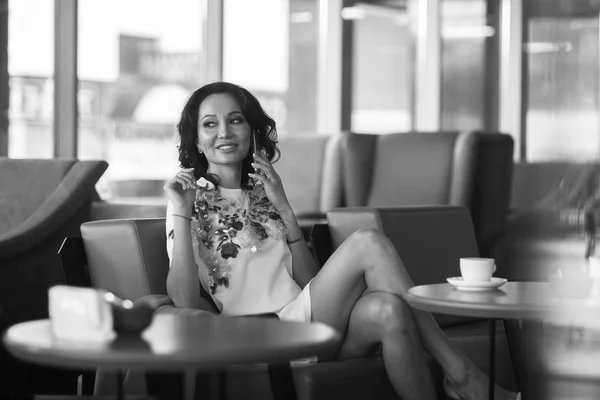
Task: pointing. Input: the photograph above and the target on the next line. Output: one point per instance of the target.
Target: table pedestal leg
(532, 376)
(222, 385)
(515, 345)
(492, 374)
(282, 382)
(120, 377)
(189, 384)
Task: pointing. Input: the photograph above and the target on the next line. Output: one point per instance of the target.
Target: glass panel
(138, 62)
(464, 37)
(561, 81)
(31, 70)
(270, 48)
(381, 68)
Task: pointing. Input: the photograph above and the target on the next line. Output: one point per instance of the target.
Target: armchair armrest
(69, 196)
(316, 215)
(127, 256)
(75, 269)
(164, 305)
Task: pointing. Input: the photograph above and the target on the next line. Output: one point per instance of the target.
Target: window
(270, 48)
(30, 69)
(138, 62)
(561, 80)
(381, 68)
(464, 35)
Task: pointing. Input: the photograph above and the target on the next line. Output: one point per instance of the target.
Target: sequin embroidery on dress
(226, 226)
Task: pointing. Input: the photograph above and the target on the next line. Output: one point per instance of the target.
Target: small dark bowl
(130, 318)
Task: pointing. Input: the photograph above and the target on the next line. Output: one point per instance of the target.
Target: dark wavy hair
(262, 126)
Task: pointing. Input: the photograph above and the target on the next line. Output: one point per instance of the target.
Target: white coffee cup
(476, 269)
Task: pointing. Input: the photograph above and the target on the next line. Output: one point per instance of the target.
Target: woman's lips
(227, 147)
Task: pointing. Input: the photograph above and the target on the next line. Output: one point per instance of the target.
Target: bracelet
(295, 240)
(181, 216)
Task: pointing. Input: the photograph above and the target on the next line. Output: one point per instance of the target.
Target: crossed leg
(368, 261)
(381, 318)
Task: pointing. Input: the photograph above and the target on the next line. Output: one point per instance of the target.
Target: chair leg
(282, 382)
(86, 382)
(74, 262)
(222, 377)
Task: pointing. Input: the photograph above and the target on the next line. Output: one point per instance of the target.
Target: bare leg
(383, 318)
(368, 260)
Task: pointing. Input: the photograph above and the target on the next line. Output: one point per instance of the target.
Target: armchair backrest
(310, 171)
(28, 183)
(127, 256)
(468, 169)
(408, 168)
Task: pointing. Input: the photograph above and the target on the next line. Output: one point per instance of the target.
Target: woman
(230, 224)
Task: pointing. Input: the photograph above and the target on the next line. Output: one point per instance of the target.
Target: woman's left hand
(271, 182)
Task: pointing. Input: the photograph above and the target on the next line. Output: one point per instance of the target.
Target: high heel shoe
(451, 393)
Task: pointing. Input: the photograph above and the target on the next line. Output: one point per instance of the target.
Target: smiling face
(224, 135)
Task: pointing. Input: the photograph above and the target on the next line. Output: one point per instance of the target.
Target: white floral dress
(240, 248)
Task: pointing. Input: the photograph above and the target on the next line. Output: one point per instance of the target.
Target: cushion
(412, 169)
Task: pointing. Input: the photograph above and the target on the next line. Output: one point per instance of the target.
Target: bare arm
(304, 264)
(183, 285)
(182, 280)
(184, 270)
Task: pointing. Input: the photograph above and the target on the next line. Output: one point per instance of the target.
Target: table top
(513, 300)
(175, 342)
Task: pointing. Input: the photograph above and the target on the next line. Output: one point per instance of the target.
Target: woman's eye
(236, 121)
(208, 124)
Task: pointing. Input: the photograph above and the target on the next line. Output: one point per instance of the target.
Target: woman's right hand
(181, 190)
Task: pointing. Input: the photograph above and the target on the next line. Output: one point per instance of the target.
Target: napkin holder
(80, 314)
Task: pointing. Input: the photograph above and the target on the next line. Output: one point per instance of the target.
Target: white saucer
(459, 283)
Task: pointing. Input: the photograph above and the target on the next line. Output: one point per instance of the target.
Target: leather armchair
(128, 257)
(468, 169)
(42, 201)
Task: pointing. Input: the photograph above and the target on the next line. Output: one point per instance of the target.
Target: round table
(513, 300)
(175, 342)
(526, 301)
